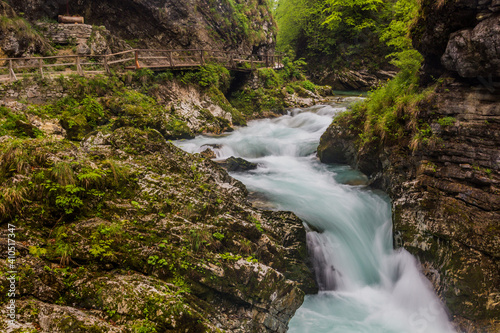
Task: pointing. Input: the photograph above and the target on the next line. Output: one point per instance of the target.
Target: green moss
(446, 121)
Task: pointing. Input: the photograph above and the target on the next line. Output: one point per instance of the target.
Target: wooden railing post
(12, 75)
(79, 66)
(170, 59)
(251, 62)
(106, 66)
(267, 59)
(202, 60)
(40, 66)
(137, 66)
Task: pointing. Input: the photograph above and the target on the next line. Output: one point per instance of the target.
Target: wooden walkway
(12, 69)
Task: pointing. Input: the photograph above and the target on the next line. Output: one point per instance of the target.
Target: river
(365, 285)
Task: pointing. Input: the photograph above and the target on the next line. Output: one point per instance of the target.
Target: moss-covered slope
(125, 232)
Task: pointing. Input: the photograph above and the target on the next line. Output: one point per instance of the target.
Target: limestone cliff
(446, 191)
(237, 25)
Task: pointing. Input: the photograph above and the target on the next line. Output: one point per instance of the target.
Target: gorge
(117, 229)
(364, 285)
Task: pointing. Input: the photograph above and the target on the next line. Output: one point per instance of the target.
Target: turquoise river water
(365, 285)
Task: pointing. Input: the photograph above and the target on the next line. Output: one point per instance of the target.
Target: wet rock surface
(161, 239)
(237, 164)
(446, 192)
(360, 80)
(446, 198)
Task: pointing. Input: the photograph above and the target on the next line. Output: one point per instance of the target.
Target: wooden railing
(12, 69)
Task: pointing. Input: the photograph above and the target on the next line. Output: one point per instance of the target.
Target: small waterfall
(365, 285)
(321, 250)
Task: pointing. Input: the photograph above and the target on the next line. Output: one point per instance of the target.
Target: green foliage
(37, 251)
(396, 33)
(270, 78)
(252, 259)
(257, 223)
(391, 110)
(273, 87)
(447, 121)
(16, 124)
(345, 33)
(157, 262)
(332, 34)
(214, 75)
(309, 85)
(218, 235)
(103, 238)
(360, 14)
(230, 256)
(209, 75)
(144, 326)
(292, 70)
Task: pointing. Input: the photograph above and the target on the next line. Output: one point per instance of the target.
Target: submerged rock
(237, 164)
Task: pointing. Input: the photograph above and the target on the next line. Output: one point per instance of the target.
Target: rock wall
(88, 39)
(201, 111)
(17, 37)
(446, 198)
(446, 192)
(359, 80)
(66, 33)
(460, 37)
(240, 25)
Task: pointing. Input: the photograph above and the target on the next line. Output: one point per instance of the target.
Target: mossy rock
(133, 140)
(76, 126)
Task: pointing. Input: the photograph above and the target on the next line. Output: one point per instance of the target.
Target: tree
(360, 14)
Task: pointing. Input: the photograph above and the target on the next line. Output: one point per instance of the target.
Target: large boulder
(458, 36)
(475, 51)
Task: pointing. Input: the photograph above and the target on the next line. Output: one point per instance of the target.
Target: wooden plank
(155, 58)
(120, 53)
(91, 64)
(229, 60)
(170, 59)
(79, 67)
(119, 61)
(24, 67)
(60, 65)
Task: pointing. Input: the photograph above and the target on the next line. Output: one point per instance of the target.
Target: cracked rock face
(459, 36)
(446, 198)
(171, 23)
(475, 52)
